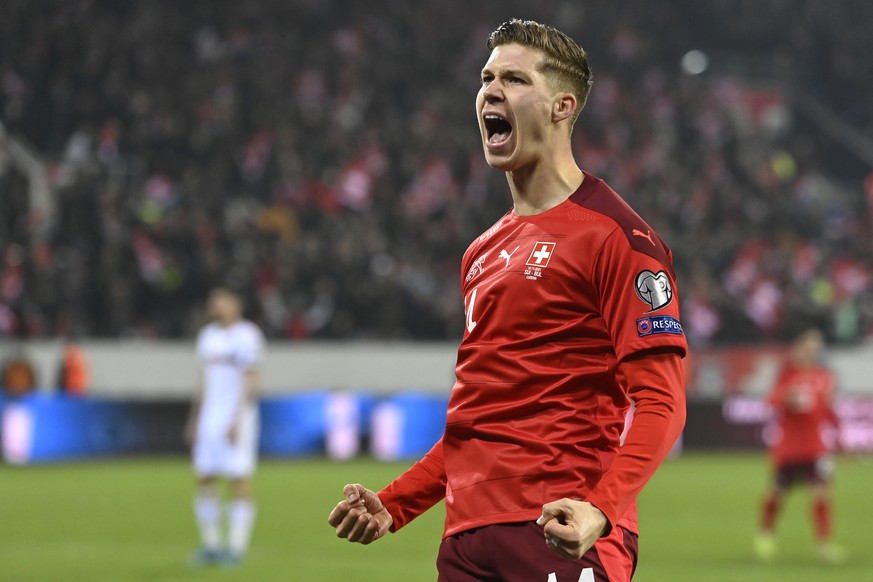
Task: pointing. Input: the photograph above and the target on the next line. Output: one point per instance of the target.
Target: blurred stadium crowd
(323, 157)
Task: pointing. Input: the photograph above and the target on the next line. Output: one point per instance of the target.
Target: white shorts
(215, 456)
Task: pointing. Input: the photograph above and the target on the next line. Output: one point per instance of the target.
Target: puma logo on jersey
(507, 256)
(646, 235)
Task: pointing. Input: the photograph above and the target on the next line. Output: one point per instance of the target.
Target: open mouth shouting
(497, 130)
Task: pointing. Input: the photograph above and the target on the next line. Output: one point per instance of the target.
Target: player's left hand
(571, 527)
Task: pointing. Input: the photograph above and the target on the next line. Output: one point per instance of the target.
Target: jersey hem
(514, 517)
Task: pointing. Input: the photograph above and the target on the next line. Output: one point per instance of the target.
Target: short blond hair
(565, 63)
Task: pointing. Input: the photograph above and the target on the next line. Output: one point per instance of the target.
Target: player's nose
(492, 92)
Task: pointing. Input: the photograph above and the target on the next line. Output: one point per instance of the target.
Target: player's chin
(500, 161)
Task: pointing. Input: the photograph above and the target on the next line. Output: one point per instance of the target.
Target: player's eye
(487, 79)
(517, 80)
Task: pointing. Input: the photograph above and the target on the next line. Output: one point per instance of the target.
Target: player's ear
(563, 107)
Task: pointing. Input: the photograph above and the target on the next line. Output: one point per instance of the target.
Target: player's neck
(542, 186)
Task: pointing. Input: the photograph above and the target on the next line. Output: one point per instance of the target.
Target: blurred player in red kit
(801, 402)
(571, 313)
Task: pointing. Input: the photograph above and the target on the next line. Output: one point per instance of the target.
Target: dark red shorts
(812, 472)
(517, 552)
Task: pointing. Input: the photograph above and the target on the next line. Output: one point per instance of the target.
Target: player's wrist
(606, 527)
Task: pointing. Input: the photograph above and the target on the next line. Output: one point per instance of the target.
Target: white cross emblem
(541, 253)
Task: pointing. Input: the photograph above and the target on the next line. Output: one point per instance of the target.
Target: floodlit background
(323, 158)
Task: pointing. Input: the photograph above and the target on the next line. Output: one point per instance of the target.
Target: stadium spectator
(17, 376)
(264, 145)
(74, 373)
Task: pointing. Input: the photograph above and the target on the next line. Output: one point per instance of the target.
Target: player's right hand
(360, 517)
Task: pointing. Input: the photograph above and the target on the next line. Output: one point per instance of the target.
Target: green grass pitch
(130, 520)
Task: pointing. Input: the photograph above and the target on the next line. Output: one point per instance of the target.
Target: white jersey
(225, 354)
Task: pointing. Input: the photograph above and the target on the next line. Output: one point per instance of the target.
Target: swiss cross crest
(541, 254)
(538, 260)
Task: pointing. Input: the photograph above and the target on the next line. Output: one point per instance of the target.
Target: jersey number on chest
(469, 305)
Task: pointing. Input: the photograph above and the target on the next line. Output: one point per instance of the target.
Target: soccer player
(223, 427)
(801, 402)
(571, 313)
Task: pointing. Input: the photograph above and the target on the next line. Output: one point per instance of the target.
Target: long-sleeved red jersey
(570, 314)
(801, 400)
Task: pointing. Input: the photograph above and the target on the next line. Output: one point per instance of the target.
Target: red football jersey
(801, 400)
(556, 304)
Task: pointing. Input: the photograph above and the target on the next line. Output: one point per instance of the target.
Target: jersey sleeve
(657, 386)
(250, 350)
(776, 398)
(637, 295)
(828, 399)
(417, 490)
